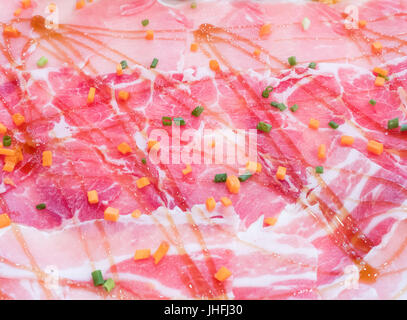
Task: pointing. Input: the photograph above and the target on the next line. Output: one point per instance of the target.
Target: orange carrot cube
(362, 23)
(47, 158)
(375, 147)
(377, 47)
(322, 151)
(136, 214)
(18, 119)
(222, 274)
(123, 95)
(9, 166)
(210, 204)
(233, 184)
(25, 3)
(142, 254)
(187, 170)
(149, 34)
(347, 140)
(270, 221)
(313, 124)
(161, 252)
(4, 220)
(93, 197)
(381, 72)
(142, 182)
(281, 172)
(265, 30)
(111, 214)
(91, 94)
(380, 81)
(194, 47)
(226, 201)
(3, 128)
(124, 148)
(80, 4)
(119, 69)
(214, 65)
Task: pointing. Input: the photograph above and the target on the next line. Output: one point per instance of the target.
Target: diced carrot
(119, 69)
(213, 144)
(270, 221)
(9, 181)
(210, 204)
(265, 30)
(9, 166)
(80, 4)
(214, 65)
(375, 147)
(12, 159)
(226, 201)
(377, 47)
(91, 94)
(17, 12)
(142, 182)
(142, 254)
(149, 34)
(93, 197)
(136, 214)
(322, 151)
(281, 172)
(47, 158)
(222, 274)
(258, 170)
(362, 23)
(256, 52)
(52, 7)
(379, 82)
(19, 154)
(161, 251)
(4, 220)
(187, 170)
(123, 95)
(18, 119)
(10, 31)
(124, 148)
(233, 184)
(26, 3)
(194, 47)
(251, 166)
(111, 214)
(380, 72)
(153, 144)
(347, 140)
(313, 124)
(3, 128)
(7, 152)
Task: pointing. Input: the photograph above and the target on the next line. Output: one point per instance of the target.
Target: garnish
(322, 151)
(292, 61)
(150, 35)
(313, 124)
(222, 274)
(220, 177)
(312, 65)
(281, 172)
(179, 121)
(266, 92)
(142, 254)
(7, 141)
(244, 177)
(233, 184)
(333, 125)
(142, 182)
(372, 102)
(97, 278)
(145, 22)
(109, 284)
(111, 214)
(124, 64)
(91, 94)
(167, 121)
(93, 197)
(41, 206)
(393, 123)
(42, 62)
(210, 204)
(197, 111)
(161, 252)
(294, 108)
(319, 169)
(306, 23)
(154, 63)
(47, 158)
(263, 126)
(347, 140)
(375, 147)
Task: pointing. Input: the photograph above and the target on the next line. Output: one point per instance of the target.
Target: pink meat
(352, 216)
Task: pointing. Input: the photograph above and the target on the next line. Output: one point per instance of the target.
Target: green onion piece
(97, 278)
(7, 141)
(244, 177)
(179, 121)
(319, 169)
(266, 92)
(281, 106)
(372, 102)
(42, 62)
(312, 65)
(294, 108)
(333, 125)
(306, 23)
(193, 5)
(144, 161)
(393, 123)
(274, 104)
(145, 22)
(109, 284)
(220, 177)
(167, 121)
(124, 64)
(403, 127)
(197, 111)
(385, 77)
(41, 206)
(292, 60)
(154, 63)
(265, 127)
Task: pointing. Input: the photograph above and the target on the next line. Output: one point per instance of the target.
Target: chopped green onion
(312, 65)
(282, 106)
(274, 104)
(244, 177)
(220, 177)
(144, 161)
(154, 63)
(7, 141)
(97, 278)
(403, 127)
(41, 206)
(372, 102)
(306, 23)
(167, 121)
(145, 22)
(393, 123)
(292, 60)
(266, 92)
(124, 64)
(179, 121)
(197, 111)
(193, 5)
(319, 169)
(265, 127)
(42, 62)
(333, 125)
(294, 108)
(109, 284)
